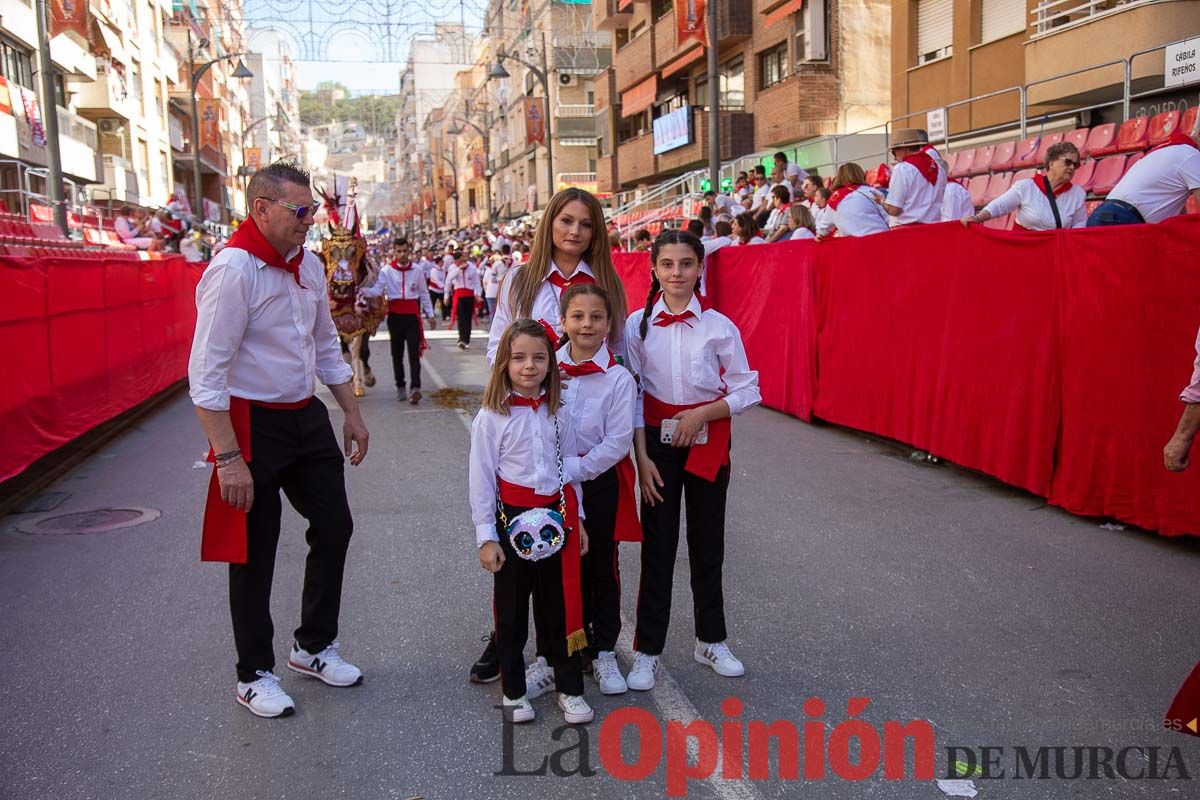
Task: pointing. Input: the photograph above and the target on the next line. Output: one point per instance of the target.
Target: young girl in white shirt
(517, 440)
(693, 375)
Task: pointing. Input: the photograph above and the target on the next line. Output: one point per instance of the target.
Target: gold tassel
(576, 642)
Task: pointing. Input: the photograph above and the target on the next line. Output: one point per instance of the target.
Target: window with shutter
(1001, 18)
(935, 29)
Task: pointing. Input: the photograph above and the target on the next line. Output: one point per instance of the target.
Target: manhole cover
(95, 520)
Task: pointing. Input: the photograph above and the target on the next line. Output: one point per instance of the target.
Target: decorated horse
(347, 271)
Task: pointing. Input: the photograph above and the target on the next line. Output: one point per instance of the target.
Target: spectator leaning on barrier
(1156, 187)
(917, 182)
(723, 238)
(956, 202)
(854, 208)
(745, 231)
(1046, 201)
(820, 209)
(1175, 454)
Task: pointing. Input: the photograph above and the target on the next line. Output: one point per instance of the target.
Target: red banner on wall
(535, 121)
(478, 165)
(210, 122)
(69, 15)
(689, 21)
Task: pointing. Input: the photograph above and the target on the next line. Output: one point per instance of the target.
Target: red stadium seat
(978, 189)
(1048, 141)
(1162, 126)
(1102, 141)
(1108, 172)
(1133, 159)
(1023, 174)
(982, 161)
(1091, 205)
(962, 166)
(1084, 175)
(1190, 118)
(1026, 153)
(1002, 156)
(1134, 135)
(951, 158)
(1078, 137)
(1192, 207)
(997, 185)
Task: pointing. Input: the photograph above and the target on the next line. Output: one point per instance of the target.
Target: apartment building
(788, 71)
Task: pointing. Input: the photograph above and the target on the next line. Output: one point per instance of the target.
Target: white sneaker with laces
(575, 709)
(608, 673)
(641, 677)
(519, 710)
(265, 697)
(717, 656)
(326, 665)
(539, 679)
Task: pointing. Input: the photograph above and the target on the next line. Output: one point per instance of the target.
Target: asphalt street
(851, 571)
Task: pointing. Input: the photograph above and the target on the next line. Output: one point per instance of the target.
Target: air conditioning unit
(565, 79)
(108, 126)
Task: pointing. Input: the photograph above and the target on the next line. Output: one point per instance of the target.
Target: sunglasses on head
(301, 212)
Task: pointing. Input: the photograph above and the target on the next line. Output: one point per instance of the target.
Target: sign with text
(935, 124)
(673, 130)
(1181, 65)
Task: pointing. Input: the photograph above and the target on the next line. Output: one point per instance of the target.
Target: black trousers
(405, 332)
(437, 298)
(705, 505)
(464, 313)
(513, 586)
(295, 451)
(364, 353)
(600, 571)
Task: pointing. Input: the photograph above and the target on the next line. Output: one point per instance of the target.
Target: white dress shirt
(493, 276)
(957, 203)
(465, 278)
(545, 306)
(518, 447)
(1033, 209)
(802, 233)
(436, 278)
(858, 214)
(918, 199)
(823, 219)
(681, 363)
(761, 197)
(601, 409)
(259, 335)
(1159, 184)
(401, 285)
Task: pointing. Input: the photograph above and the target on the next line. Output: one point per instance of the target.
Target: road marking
(673, 703)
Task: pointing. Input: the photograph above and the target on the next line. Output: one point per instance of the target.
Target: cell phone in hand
(670, 426)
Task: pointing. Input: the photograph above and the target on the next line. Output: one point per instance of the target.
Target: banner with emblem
(69, 15)
(689, 21)
(478, 166)
(535, 121)
(210, 122)
(253, 158)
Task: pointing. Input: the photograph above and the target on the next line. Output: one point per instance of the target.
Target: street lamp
(498, 72)
(239, 72)
(453, 177)
(456, 130)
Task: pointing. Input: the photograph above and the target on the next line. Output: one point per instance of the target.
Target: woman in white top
(745, 231)
(1030, 197)
(852, 207)
(801, 223)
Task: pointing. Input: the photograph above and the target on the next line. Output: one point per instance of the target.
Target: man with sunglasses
(264, 337)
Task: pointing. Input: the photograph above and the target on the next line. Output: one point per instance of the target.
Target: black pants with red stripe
(600, 571)
(704, 502)
(295, 451)
(405, 332)
(517, 582)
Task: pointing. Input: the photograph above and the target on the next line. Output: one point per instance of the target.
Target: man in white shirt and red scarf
(917, 183)
(264, 337)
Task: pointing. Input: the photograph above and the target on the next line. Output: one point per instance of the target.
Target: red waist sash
(629, 524)
(223, 536)
(704, 460)
(523, 497)
(460, 294)
(404, 307)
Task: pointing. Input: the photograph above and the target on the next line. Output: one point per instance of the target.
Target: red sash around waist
(461, 294)
(223, 536)
(523, 497)
(629, 524)
(704, 460)
(404, 307)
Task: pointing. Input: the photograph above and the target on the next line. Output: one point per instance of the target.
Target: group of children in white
(552, 482)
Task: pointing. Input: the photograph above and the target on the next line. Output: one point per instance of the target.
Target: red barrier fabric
(86, 339)
(1128, 313)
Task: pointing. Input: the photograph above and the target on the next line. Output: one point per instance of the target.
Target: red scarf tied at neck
(249, 238)
(1178, 137)
(841, 194)
(924, 163)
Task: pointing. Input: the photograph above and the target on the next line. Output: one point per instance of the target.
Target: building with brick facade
(790, 71)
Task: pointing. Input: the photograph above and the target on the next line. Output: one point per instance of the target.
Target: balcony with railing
(78, 144)
(120, 181)
(582, 54)
(1051, 16)
(608, 15)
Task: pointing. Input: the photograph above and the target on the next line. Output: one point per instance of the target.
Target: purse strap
(562, 495)
(1044, 182)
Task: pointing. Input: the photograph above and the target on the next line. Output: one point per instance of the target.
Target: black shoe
(487, 668)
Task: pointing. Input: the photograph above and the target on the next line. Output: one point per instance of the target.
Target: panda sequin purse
(539, 532)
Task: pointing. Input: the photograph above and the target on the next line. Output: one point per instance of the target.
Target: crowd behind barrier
(86, 339)
(1052, 360)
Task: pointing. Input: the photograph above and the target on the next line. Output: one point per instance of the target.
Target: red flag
(69, 15)
(689, 21)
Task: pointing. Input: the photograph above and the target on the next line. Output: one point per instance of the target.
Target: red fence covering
(1052, 361)
(85, 340)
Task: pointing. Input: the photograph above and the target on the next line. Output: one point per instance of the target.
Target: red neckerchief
(562, 283)
(841, 194)
(521, 401)
(705, 305)
(249, 238)
(924, 163)
(1178, 137)
(588, 367)
(399, 268)
(1045, 180)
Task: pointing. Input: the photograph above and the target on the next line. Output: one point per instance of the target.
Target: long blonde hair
(499, 385)
(527, 280)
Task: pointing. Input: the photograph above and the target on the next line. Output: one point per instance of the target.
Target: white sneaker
(518, 710)
(326, 665)
(265, 697)
(608, 673)
(539, 679)
(641, 677)
(575, 709)
(718, 657)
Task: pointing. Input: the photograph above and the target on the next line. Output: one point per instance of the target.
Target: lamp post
(456, 130)
(499, 72)
(239, 72)
(453, 177)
